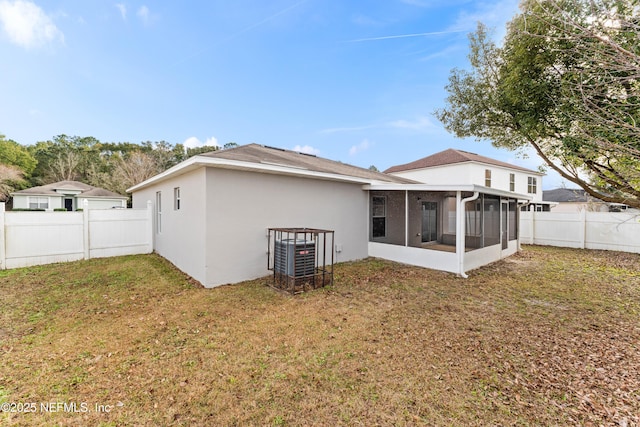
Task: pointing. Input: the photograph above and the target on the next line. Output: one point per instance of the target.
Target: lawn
(547, 337)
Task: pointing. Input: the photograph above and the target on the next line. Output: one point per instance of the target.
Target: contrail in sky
(401, 36)
(242, 31)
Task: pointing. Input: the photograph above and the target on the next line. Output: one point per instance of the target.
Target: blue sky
(354, 81)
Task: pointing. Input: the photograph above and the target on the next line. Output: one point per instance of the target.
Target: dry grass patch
(548, 337)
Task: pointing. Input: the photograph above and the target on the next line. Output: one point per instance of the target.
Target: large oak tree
(566, 81)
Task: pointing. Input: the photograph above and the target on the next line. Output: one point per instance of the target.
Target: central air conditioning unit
(295, 257)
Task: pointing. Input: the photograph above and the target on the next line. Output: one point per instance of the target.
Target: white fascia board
(464, 187)
(36, 194)
(197, 162)
(80, 196)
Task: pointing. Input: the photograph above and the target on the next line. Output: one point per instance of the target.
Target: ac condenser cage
(300, 258)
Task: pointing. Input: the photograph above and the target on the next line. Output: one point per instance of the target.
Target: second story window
(512, 182)
(532, 185)
(487, 177)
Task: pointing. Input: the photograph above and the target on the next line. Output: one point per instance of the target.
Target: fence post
(533, 226)
(3, 253)
(583, 229)
(150, 225)
(85, 229)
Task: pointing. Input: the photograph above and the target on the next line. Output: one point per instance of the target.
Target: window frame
(487, 178)
(176, 198)
(158, 212)
(39, 204)
(376, 215)
(532, 185)
(512, 182)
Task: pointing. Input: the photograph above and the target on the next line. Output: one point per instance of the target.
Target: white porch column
(459, 234)
(460, 229)
(406, 217)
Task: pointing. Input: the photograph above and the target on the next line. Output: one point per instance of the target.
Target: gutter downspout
(460, 229)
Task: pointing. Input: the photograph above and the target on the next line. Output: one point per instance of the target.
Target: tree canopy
(566, 82)
(114, 166)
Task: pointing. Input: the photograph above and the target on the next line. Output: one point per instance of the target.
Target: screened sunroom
(450, 228)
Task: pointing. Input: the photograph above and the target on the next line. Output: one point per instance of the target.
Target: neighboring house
(463, 167)
(69, 195)
(212, 213)
(577, 199)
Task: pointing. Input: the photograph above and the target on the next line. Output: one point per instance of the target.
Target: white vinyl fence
(34, 238)
(615, 231)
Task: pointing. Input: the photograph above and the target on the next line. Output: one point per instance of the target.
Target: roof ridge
(452, 156)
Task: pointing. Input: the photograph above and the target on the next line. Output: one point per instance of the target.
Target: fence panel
(35, 238)
(591, 230)
(613, 231)
(119, 232)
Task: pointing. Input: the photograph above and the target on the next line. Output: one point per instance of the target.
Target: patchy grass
(547, 337)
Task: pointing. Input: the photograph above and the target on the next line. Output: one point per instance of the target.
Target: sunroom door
(504, 224)
(429, 222)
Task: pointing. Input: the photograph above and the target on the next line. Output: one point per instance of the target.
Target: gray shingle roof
(568, 195)
(255, 153)
(452, 156)
(85, 190)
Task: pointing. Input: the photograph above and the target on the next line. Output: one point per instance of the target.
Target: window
(379, 216)
(158, 212)
(176, 199)
(38, 203)
(532, 185)
(512, 182)
(487, 177)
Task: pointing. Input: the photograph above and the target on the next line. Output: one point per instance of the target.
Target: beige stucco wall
(22, 201)
(241, 206)
(100, 203)
(182, 238)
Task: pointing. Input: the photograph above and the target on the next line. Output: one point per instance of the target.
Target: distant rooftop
(73, 186)
(452, 156)
(577, 195)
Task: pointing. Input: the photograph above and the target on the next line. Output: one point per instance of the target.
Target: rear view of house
(212, 213)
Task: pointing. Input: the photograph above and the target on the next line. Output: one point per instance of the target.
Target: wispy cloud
(419, 3)
(243, 30)
(446, 52)
(366, 21)
(27, 25)
(144, 14)
(418, 124)
(492, 14)
(402, 36)
(348, 129)
(307, 149)
(364, 145)
(123, 10)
